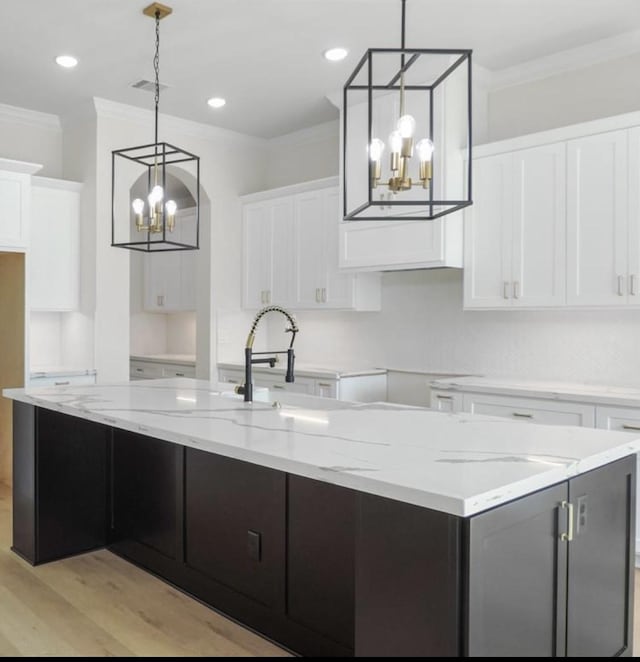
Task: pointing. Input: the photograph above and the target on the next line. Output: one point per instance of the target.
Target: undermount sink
(264, 395)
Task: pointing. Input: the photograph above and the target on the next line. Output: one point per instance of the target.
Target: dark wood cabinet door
(235, 525)
(147, 492)
(407, 580)
(601, 561)
(321, 558)
(516, 586)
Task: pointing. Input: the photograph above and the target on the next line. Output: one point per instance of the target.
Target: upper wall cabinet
(54, 256)
(557, 223)
(170, 277)
(15, 199)
(515, 230)
(290, 252)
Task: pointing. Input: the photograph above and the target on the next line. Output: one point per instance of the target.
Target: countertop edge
(307, 372)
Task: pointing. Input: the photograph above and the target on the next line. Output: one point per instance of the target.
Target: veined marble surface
(460, 464)
(307, 370)
(587, 393)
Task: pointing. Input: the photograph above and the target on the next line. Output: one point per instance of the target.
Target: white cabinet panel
(257, 254)
(170, 276)
(633, 282)
(310, 249)
(515, 232)
(14, 209)
(54, 259)
(597, 220)
(158, 370)
(530, 410)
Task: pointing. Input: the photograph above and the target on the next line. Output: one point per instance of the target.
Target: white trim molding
(23, 167)
(312, 134)
(170, 123)
(293, 189)
(29, 117)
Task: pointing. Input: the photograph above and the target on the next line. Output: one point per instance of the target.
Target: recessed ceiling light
(216, 102)
(336, 54)
(66, 61)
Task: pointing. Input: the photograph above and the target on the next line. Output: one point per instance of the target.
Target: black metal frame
(408, 57)
(163, 154)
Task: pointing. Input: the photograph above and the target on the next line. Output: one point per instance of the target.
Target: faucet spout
(247, 387)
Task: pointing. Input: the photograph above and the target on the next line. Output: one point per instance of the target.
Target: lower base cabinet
(328, 571)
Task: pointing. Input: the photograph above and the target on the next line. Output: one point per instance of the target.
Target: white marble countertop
(460, 464)
(181, 359)
(588, 393)
(308, 370)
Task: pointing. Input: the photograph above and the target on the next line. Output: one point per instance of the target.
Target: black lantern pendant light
(152, 225)
(406, 134)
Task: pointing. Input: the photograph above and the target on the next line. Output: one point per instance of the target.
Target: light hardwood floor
(99, 605)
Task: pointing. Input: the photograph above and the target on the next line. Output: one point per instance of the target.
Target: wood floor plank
(100, 605)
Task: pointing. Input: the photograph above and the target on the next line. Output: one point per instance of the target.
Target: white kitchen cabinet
(597, 220)
(170, 277)
(54, 255)
(530, 410)
(139, 369)
(515, 232)
(290, 252)
(447, 402)
(44, 380)
(15, 197)
(355, 388)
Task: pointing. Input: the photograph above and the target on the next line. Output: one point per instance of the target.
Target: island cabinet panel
(545, 581)
(60, 483)
(407, 580)
(321, 558)
(601, 562)
(147, 492)
(235, 525)
(517, 578)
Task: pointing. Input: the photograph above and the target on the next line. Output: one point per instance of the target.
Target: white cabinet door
(162, 281)
(185, 226)
(633, 282)
(280, 290)
(14, 209)
(54, 261)
(256, 254)
(340, 286)
(597, 220)
(310, 250)
(488, 235)
(539, 227)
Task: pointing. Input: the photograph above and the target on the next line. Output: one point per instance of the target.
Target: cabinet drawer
(61, 380)
(531, 410)
(622, 419)
(277, 383)
(231, 376)
(446, 401)
(178, 370)
(142, 370)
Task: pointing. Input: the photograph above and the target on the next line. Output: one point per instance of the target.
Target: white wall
(27, 135)
(422, 326)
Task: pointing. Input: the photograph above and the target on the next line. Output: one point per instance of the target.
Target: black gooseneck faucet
(247, 388)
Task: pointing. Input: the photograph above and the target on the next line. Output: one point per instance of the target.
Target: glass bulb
(425, 149)
(156, 193)
(395, 141)
(138, 206)
(171, 207)
(375, 149)
(407, 126)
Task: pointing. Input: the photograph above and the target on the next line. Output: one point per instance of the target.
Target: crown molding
(23, 167)
(312, 134)
(581, 57)
(170, 123)
(29, 117)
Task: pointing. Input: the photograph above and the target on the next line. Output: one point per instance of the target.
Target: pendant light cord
(156, 67)
(402, 46)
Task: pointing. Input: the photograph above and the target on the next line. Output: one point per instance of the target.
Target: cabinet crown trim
(293, 189)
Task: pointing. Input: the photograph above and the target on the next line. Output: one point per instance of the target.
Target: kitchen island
(338, 528)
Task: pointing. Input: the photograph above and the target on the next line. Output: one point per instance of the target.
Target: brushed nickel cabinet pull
(324, 295)
(620, 286)
(568, 536)
(324, 385)
(632, 285)
(232, 381)
(61, 383)
(179, 374)
(516, 289)
(268, 296)
(519, 415)
(631, 427)
(444, 397)
(280, 387)
(505, 290)
(160, 300)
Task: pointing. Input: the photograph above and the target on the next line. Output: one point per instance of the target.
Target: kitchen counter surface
(181, 359)
(459, 464)
(308, 370)
(612, 395)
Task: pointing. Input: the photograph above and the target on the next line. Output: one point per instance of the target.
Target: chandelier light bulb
(407, 126)
(171, 207)
(395, 142)
(375, 149)
(425, 149)
(138, 206)
(156, 194)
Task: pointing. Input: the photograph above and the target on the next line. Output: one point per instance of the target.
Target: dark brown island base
(324, 570)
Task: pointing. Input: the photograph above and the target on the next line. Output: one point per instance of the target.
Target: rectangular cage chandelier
(407, 134)
(154, 224)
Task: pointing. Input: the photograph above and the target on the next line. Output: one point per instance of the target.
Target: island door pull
(505, 290)
(568, 537)
(620, 286)
(517, 414)
(631, 427)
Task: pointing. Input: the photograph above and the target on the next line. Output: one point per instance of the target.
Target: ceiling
(265, 56)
